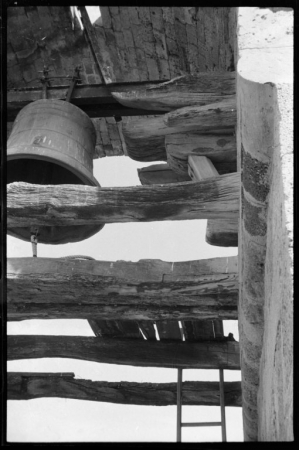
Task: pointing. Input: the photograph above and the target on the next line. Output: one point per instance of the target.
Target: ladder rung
(201, 424)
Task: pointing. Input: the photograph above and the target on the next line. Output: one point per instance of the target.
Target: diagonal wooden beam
(134, 352)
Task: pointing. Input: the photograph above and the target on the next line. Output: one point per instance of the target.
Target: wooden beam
(65, 205)
(48, 288)
(223, 233)
(94, 99)
(208, 118)
(221, 150)
(200, 89)
(27, 386)
(160, 174)
(142, 353)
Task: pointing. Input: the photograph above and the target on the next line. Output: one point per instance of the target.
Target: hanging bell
(52, 142)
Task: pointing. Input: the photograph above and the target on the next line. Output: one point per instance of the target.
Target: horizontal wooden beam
(187, 90)
(95, 100)
(65, 205)
(207, 118)
(27, 386)
(48, 288)
(134, 352)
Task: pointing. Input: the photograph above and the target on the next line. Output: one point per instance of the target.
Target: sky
(65, 420)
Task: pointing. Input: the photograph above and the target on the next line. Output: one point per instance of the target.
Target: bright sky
(64, 420)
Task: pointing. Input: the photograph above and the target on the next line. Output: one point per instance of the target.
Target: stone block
(144, 14)
(106, 17)
(128, 38)
(116, 22)
(125, 17)
(152, 66)
(105, 138)
(157, 18)
(163, 67)
(134, 16)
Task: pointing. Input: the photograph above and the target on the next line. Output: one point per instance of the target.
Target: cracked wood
(33, 205)
(27, 386)
(48, 288)
(134, 352)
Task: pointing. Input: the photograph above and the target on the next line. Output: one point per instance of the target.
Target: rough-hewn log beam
(168, 354)
(94, 99)
(27, 386)
(223, 233)
(65, 205)
(48, 288)
(208, 118)
(200, 89)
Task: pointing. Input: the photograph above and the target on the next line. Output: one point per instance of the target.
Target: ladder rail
(181, 424)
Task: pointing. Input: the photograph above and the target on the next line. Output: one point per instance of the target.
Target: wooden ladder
(181, 424)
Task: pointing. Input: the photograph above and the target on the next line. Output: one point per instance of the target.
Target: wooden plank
(148, 329)
(134, 352)
(200, 89)
(160, 174)
(125, 329)
(223, 233)
(27, 386)
(168, 329)
(203, 330)
(207, 118)
(102, 290)
(32, 205)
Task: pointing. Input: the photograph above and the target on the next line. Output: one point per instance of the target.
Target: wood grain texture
(142, 353)
(215, 116)
(200, 89)
(66, 205)
(27, 386)
(222, 233)
(160, 174)
(48, 288)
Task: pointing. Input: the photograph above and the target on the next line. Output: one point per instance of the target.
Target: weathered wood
(94, 99)
(134, 352)
(46, 288)
(168, 329)
(180, 166)
(125, 329)
(148, 329)
(145, 136)
(223, 233)
(65, 205)
(208, 118)
(160, 174)
(27, 386)
(216, 148)
(200, 89)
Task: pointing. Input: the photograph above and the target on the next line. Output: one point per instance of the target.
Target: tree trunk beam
(141, 353)
(222, 233)
(48, 288)
(65, 205)
(208, 118)
(201, 89)
(27, 386)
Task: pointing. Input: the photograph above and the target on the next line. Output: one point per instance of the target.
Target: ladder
(181, 424)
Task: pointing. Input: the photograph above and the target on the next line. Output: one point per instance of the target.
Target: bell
(52, 142)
